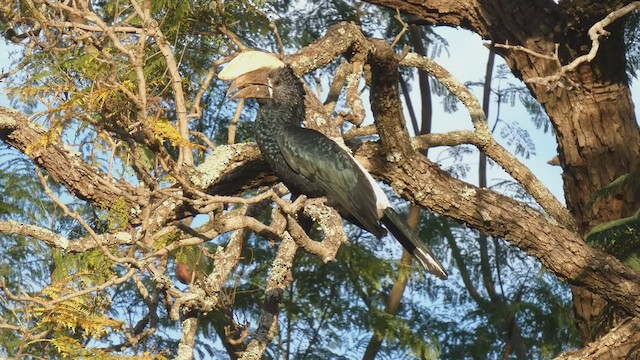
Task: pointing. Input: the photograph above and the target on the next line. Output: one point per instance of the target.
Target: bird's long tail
(412, 243)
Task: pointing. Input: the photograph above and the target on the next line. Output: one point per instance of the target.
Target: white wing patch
(382, 201)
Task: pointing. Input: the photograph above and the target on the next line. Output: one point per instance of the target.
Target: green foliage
(82, 314)
(519, 138)
(70, 348)
(537, 302)
(504, 92)
(91, 268)
(620, 238)
(537, 114)
(625, 183)
(118, 215)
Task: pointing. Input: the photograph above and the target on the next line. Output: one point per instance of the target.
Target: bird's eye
(275, 82)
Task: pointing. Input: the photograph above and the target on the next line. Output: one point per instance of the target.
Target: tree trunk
(598, 141)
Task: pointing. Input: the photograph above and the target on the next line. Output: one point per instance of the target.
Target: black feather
(310, 163)
(324, 163)
(412, 243)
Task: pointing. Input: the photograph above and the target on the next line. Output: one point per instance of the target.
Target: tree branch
(61, 242)
(66, 166)
(278, 281)
(622, 339)
(484, 140)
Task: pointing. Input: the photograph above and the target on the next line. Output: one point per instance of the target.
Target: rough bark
(597, 132)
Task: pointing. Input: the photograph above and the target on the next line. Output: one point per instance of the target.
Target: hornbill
(310, 163)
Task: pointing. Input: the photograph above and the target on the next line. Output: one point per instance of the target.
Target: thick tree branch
(442, 12)
(622, 339)
(422, 182)
(187, 345)
(66, 166)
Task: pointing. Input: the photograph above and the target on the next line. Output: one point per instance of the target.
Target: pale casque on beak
(249, 72)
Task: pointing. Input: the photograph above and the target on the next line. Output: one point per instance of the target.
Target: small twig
(83, 223)
(404, 29)
(186, 155)
(222, 27)
(274, 27)
(23, 298)
(196, 109)
(234, 123)
(595, 32)
(244, 333)
(204, 138)
(113, 281)
(521, 48)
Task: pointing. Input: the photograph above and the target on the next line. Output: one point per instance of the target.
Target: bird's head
(261, 75)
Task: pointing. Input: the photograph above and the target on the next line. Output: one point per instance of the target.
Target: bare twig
(595, 33)
(83, 223)
(274, 27)
(521, 48)
(204, 138)
(114, 281)
(234, 122)
(186, 155)
(196, 109)
(404, 29)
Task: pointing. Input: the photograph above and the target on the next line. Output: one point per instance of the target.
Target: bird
(310, 163)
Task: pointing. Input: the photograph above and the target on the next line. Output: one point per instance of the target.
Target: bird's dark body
(310, 163)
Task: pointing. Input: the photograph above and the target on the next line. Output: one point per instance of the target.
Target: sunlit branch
(62, 242)
(484, 140)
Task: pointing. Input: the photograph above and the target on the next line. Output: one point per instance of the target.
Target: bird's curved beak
(254, 84)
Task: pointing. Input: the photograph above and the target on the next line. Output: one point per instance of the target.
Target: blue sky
(466, 59)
